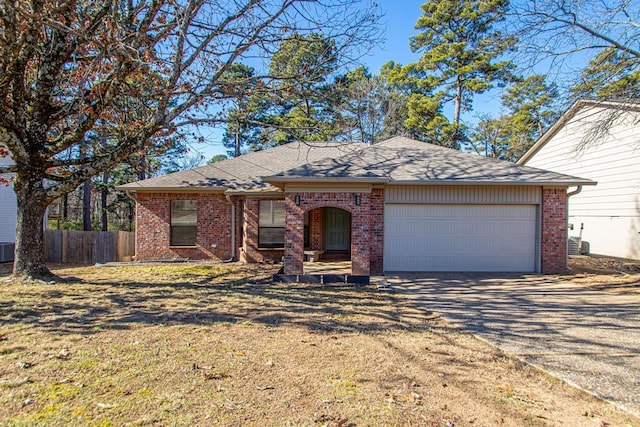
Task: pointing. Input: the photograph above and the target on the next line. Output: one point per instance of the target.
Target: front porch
(327, 241)
(327, 248)
(332, 234)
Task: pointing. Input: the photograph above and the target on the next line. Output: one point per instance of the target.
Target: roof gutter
(496, 183)
(131, 194)
(574, 192)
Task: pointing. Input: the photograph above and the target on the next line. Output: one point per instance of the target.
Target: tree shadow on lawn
(86, 306)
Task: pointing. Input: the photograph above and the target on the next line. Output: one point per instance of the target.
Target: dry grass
(178, 344)
(606, 274)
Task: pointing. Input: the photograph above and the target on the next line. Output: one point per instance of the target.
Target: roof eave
(562, 183)
(251, 193)
(568, 115)
(276, 180)
(171, 189)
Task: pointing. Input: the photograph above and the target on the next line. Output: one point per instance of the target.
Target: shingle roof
(403, 160)
(244, 172)
(394, 161)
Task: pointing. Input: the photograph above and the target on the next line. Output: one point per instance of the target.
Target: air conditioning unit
(7, 251)
(574, 246)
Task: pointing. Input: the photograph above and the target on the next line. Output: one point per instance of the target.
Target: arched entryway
(327, 239)
(311, 211)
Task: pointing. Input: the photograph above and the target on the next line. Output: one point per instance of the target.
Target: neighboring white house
(598, 140)
(8, 208)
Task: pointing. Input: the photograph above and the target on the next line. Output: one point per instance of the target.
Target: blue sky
(398, 23)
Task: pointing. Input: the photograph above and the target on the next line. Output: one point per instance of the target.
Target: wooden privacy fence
(88, 247)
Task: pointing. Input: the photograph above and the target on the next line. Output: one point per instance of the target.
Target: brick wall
(153, 231)
(367, 229)
(554, 231)
(360, 228)
(316, 225)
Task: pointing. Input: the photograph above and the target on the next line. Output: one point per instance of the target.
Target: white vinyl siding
(430, 237)
(462, 194)
(610, 211)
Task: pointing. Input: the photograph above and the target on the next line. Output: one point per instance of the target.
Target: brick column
(554, 231)
(376, 219)
(361, 238)
(293, 237)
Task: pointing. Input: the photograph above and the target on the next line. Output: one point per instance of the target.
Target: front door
(337, 230)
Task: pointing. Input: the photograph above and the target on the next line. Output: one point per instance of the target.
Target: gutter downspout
(131, 195)
(569, 194)
(233, 228)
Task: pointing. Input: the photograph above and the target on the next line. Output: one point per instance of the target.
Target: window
(271, 224)
(184, 217)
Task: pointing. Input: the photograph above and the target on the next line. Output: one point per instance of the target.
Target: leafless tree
(561, 34)
(557, 30)
(134, 72)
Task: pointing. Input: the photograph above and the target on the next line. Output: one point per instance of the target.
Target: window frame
(191, 224)
(272, 244)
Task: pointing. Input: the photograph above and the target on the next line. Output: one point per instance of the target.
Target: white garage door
(460, 238)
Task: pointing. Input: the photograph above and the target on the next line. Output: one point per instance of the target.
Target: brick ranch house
(397, 205)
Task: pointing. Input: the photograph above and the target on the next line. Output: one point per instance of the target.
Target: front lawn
(185, 344)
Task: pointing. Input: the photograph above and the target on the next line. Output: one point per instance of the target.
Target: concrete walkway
(588, 338)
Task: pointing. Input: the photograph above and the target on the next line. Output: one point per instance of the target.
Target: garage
(460, 237)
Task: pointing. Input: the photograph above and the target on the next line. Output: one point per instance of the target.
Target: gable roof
(569, 114)
(402, 160)
(243, 173)
(397, 160)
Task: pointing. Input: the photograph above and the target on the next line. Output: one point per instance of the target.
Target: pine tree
(460, 49)
(612, 74)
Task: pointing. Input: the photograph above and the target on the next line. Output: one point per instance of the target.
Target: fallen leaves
(216, 376)
(206, 366)
(332, 420)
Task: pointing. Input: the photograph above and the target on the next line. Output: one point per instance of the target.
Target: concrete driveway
(588, 338)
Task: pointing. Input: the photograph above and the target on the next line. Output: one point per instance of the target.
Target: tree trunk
(142, 167)
(30, 251)
(103, 201)
(86, 205)
(456, 114)
(65, 207)
(131, 216)
(237, 142)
